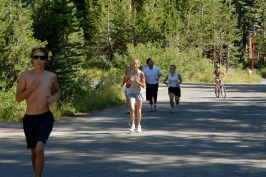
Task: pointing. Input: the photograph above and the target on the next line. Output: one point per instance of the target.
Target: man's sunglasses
(36, 57)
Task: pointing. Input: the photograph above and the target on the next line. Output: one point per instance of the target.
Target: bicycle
(220, 90)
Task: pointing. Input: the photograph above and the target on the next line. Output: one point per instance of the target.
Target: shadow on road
(205, 137)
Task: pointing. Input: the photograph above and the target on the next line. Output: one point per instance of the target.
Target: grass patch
(241, 76)
(233, 75)
(98, 99)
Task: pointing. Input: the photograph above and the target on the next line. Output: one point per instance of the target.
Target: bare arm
(223, 73)
(165, 79)
(142, 80)
(180, 79)
(126, 79)
(213, 74)
(23, 92)
(56, 91)
(123, 82)
(159, 75)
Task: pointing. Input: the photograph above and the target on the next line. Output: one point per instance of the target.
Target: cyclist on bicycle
(216, 74)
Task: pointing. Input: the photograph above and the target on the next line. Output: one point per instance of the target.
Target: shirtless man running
(39, 88)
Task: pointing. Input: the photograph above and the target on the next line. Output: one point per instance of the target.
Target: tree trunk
(242, 44)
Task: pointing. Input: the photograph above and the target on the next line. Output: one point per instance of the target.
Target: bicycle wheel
(217, 92)
(223, 93)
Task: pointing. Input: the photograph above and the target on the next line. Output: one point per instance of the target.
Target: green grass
(241, 76)
(232, 76)
(97, 99)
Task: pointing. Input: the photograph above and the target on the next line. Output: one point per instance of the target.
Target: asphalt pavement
(205, 137)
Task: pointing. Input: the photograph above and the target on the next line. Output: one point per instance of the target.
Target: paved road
(205, 137)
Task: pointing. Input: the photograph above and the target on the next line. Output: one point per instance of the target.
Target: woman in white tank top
(174, 80)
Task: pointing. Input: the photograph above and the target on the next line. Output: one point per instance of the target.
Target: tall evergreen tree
(159, 21)
(122, 25)
(16, 41)
(247, 11)
(260, 37)
(210, 26)
(110, 25)
(98, 28)
(56, 22)
(203, 23)
(150, 22)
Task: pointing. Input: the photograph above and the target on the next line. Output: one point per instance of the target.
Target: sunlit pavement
(204, 137)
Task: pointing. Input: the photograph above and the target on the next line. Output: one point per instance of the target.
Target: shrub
(10, 110)
(263, 72)
(104, 92)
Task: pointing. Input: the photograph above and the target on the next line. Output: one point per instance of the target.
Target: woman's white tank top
(173, 80)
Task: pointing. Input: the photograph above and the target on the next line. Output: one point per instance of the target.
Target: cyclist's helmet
(217, 65)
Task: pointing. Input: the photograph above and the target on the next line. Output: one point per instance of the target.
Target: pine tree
(260, 37)
(16, 41)
(98, 28)
(56, 22)
(159, 22)
(210, 26)
(110, 26)
(247, 11)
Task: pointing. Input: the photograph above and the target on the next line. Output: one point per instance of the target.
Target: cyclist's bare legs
(217, 82)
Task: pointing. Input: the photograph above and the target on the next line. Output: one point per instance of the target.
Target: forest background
(91, 42)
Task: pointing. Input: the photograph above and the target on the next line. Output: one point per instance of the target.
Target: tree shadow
(210, 137)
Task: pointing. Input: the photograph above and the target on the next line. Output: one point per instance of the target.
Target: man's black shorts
(175, 90)
(151, 91)
(37, 128)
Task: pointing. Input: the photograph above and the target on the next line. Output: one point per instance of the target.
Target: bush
(10, 110)
(106, 93)
(263, 72)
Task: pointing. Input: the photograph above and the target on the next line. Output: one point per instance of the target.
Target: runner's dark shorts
(175, 90)
(151, 91)
(37, 128)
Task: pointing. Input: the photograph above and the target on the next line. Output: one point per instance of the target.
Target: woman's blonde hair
(136, 60)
